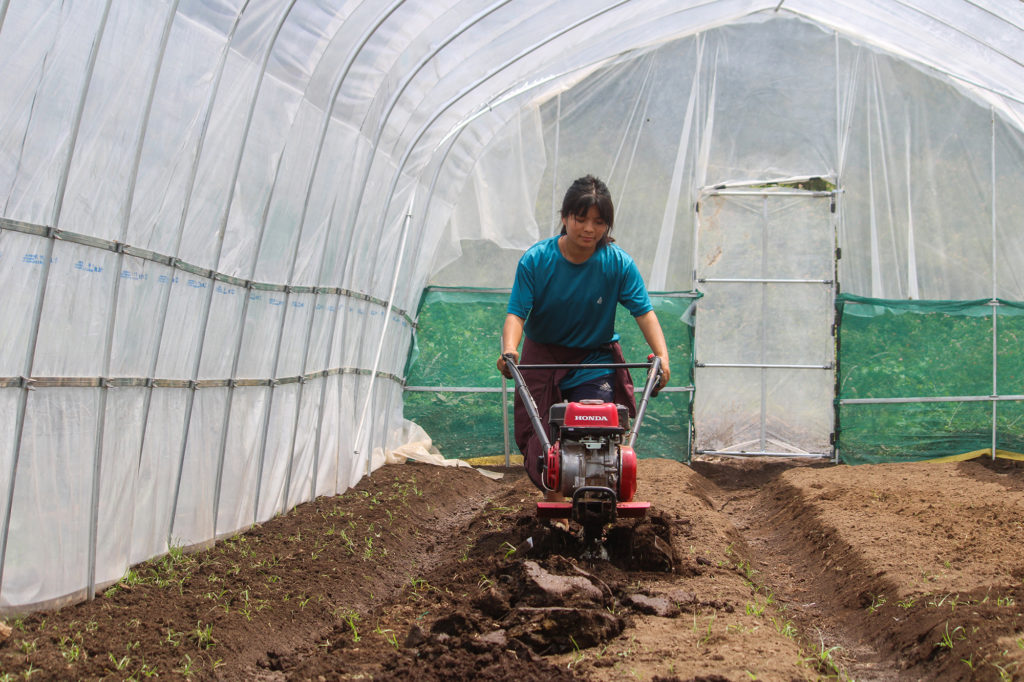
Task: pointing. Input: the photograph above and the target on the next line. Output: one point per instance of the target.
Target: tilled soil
(744, 569)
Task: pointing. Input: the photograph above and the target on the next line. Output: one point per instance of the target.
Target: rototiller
(587, 460)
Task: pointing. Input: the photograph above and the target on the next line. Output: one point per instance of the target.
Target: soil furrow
(817, 576)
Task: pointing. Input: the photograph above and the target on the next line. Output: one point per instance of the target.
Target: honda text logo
(591, 418)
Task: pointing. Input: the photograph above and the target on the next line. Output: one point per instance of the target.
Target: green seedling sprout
(953, 601)
(148, 670)
(69, 649)
(368, 551)
(823, 659)
(577, 655)
(203, 634)
(756, 608)
(120, 663)
(707, 633)
(946, 642)
(629, 650)
(185, 668)
(786, 628)
(389, 635)
(173, 638)
(351, 618)
(1004, 674)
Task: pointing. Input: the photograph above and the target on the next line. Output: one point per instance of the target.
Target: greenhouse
(249, 248)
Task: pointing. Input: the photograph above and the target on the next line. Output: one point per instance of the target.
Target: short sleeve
(520, 301)
(632, 292)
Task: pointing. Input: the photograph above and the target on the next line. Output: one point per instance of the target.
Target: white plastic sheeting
(920, 166)
(928, 202)
(206, 264)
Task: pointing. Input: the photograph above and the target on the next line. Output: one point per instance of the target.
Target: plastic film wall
(926, 174)
(195, 313)
(217, 215)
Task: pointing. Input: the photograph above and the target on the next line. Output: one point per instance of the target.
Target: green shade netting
(927, 349)
(457, 344)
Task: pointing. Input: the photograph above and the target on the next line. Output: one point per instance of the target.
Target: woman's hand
(511, 335)
(503, 366)
(651, 329)
(665, 372)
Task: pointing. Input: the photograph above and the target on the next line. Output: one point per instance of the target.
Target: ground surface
(747, 569)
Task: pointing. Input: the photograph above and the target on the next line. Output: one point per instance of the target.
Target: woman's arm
(655, 338)
(511, 335)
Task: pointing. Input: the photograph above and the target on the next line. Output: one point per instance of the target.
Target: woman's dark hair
(586, 192)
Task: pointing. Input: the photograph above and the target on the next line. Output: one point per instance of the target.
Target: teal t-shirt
(572, 304)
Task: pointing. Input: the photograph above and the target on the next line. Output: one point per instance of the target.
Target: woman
(564, 298)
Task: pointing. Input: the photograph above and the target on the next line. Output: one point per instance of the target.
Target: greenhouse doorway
(765, 261)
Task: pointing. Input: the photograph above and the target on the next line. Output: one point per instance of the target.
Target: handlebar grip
(657, 388)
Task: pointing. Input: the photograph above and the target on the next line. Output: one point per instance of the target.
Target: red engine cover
(553, 473)
(582, 415)
(627, 476)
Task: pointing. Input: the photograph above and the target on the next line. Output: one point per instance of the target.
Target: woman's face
(585, 232)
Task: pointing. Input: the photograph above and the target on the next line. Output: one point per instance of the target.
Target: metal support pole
(147, 394)
(995, 288)
(166, 296)
(995, 372)
(555, 206)
(37, 315)
(834, 338)
(504, 419)
(764, 324)
(101, 409)
(383, 331)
